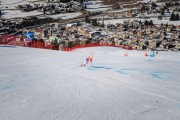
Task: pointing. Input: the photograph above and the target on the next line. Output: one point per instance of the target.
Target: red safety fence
(19, 41)
(8, 39)
(37, 44)
(95, 45)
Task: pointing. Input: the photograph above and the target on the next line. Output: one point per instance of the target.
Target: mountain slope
(50, 85)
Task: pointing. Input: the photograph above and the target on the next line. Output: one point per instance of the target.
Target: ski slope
(38, 84)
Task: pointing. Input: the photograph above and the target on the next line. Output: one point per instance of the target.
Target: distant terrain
(129, 3)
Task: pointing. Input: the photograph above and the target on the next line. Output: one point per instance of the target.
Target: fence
(95, 45)
(18, 41)
(7, 39)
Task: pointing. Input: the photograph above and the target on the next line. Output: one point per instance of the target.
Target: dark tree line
(146, 22)
(174, 17)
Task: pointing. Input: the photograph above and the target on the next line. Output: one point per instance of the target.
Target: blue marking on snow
(120, 71)
(92, 69)
(156, 75)
(161, 75)
(126, 70)
(101, 67)
(123, 71)
(149, 60)
(7, 87)
(98, 67)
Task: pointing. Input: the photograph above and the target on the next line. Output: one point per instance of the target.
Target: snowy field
(146, 1)
(8, 14)
(97, 6)
(37, 84)
(9, 9)
(155, 21)
(66, 15)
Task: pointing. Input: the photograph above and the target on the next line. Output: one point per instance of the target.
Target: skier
(83, 64)
(87, 60)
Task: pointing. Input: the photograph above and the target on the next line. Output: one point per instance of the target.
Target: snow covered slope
(37, 84)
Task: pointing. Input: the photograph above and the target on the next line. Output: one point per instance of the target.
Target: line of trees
(146, 22)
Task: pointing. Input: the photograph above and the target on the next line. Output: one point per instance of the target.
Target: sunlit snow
(38, 84)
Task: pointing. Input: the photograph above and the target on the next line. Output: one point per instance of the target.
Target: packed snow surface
(38, 84)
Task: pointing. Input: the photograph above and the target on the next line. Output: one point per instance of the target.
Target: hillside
(37, 84)
(129, 3)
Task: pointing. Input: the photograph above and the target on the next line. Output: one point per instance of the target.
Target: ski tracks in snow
(126, 114)
(74, 108)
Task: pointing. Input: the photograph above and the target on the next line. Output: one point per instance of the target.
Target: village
(152, 26)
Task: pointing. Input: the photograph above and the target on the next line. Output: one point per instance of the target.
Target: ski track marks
(51, 85)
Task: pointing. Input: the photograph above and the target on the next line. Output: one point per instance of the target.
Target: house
(69, 25)
(95, 33)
